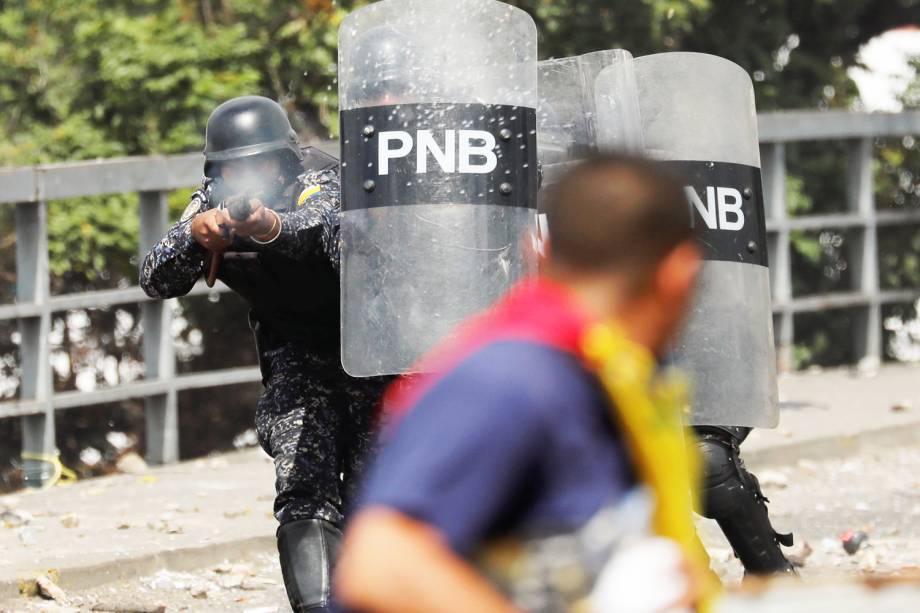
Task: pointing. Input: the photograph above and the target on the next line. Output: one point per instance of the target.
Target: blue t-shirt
(516, 439)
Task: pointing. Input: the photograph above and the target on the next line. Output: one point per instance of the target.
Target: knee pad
(723, 477)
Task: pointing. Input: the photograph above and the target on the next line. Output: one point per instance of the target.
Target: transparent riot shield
(698, 115)
(438, 132)
(562, 118)
(616, 102)
(588, 103)
(562, 126)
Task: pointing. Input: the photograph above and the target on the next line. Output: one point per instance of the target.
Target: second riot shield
(438, 132)
(617, 126)
(698, 116)
(588, 103)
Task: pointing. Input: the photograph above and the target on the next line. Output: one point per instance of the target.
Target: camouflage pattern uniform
(313, 419)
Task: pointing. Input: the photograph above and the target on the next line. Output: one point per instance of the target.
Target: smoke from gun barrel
(235, 197)
(239, 207)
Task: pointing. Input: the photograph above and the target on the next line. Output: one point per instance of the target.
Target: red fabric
(535, 310)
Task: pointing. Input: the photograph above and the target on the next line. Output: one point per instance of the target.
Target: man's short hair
(616, 213)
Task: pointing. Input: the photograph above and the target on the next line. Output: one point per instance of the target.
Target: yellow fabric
(60, 473)
(308, 193)
(648, 409)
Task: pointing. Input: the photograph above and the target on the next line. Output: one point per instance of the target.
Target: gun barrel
(239, 208)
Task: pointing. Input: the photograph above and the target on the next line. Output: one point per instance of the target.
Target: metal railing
(29, 189)
(153, 177)
(866, 297)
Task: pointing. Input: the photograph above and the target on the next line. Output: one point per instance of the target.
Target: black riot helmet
(247, 126)
(386, 59)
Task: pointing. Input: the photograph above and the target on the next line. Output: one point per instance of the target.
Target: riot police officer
(732, 497)
(710, 136)
(697, 116)
(281, 255)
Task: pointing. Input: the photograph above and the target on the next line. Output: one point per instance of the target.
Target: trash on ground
(798, 553)
(50, 590)
(852, 541)
(230, 582)
(26, 535)
(254, 583)
(119, 440)
(203, 589)
(131, 464)
(14, 518)
(71, 520)
(91, 456)
(167, 527)
(115, 606)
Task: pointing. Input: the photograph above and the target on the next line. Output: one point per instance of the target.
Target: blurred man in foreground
(544, 467)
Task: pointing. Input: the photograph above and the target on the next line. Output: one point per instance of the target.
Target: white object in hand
(646, 576)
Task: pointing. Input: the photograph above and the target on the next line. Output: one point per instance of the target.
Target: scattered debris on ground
(50, 590)
(132, 464)
(71, 520)
(852, 541)
(798, 553)
(127, 606)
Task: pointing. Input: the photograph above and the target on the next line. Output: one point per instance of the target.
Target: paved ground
(249, 584)
(877, 492)
(834, 412)
(199, 537)
(182, 517)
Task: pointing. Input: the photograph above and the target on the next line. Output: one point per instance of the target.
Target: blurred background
(88, 79)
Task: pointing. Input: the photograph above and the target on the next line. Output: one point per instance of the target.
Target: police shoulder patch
(307, 193)
(191, 210)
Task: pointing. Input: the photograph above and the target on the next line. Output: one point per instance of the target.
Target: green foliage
(797, 200)
(911, 96)
(824, 339)
(92, 237)
(798, 52)
(88, 79)
(7, 257)
(96, 79)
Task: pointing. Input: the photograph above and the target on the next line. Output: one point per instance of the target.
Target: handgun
(239, 208)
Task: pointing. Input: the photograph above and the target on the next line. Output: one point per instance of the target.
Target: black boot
(308, 548)
(732, 496)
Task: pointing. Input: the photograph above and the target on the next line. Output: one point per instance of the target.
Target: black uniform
(731, 495)
(312, 418)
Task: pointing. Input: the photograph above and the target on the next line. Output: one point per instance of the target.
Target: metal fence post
(161, 412)
(867, 342)
(33, 286)
(774, 184)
